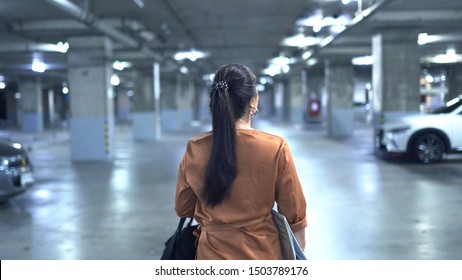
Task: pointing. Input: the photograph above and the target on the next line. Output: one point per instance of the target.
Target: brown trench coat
(241, 226)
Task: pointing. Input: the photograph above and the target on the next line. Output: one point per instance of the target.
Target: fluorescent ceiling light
(337, 28)
(121, 65)
(317, 21)
(424, 38)
(192, 55)
(45, 47)
(445, 58)
(281, 61)
(449, 57)
(62, 47)
(307, 54)
(326, 41)
(115, 80)
(363, 60)
(272, 70)
(184, 70)
(311, 61)
(38, 66)
(300, 41)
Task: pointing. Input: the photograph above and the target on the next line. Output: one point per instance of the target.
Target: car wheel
(428, 148)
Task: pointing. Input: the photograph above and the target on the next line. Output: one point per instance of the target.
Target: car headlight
(3, 164)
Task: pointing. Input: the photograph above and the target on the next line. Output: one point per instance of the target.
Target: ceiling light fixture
(449, 57)
(282, 61)
(192, 55)
(184, 70)
(272, 70)
(363, 60)
(300, 41)
(121, 65)
(62, 47)
(38, 66)
(317, 21)
(115, 80)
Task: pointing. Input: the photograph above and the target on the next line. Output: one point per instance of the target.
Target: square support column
(143, 108)
(91, 98)
(339, 87)
(297, 84)
(177, 104)
(279, 99)
(395, 74)
(31, 116)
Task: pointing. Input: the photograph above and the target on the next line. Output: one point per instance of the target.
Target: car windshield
(449, 107)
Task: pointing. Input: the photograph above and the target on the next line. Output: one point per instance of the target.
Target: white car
(424, 137)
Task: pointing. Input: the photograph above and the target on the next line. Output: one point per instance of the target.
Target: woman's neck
(243, 123)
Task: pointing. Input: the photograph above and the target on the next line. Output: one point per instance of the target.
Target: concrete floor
(359, 207)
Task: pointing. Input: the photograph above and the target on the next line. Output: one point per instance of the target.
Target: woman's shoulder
(271, 137)
(201, 137)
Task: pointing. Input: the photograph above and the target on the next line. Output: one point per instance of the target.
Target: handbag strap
(181, 223)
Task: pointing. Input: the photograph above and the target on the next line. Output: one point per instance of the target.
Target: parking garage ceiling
(246, 31)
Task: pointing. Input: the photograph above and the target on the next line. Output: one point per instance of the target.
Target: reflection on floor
(359, 207)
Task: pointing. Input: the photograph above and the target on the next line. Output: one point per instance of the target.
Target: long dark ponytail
(232, 88)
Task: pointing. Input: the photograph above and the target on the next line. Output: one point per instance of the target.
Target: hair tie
(221, 85)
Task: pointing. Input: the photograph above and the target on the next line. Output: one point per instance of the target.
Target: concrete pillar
(31, 105)
(279, 99)
(172, 89)
(12, 108)
(296, 86)
(143, 108)
(186, 102)
(339, 87)
(395, 74)
(204, 101)
(454, 81)
(123, 110)
(91, 98)
(49, 108)
(157, 95)
(196, 103)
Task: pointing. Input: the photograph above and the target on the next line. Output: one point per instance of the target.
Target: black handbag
(182, 244)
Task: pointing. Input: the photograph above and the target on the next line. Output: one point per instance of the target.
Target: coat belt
(213, 227)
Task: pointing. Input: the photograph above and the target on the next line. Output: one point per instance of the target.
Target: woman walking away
(230, 178)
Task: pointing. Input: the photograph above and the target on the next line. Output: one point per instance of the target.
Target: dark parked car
(16, 171)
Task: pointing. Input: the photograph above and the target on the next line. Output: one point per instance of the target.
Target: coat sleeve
(289, 194)
(185, 198)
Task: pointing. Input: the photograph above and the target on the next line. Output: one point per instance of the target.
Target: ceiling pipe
(90, 20)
